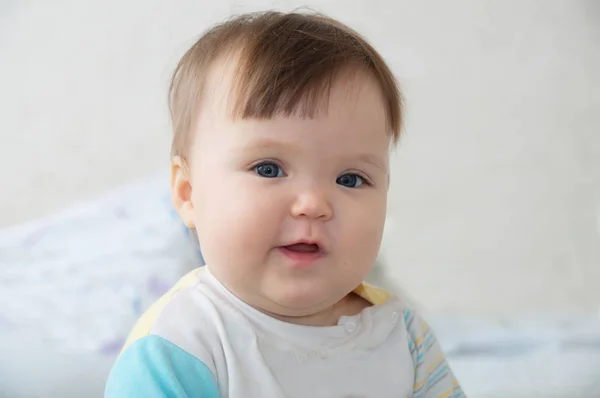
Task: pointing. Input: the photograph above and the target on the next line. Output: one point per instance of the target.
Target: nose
(312, 203)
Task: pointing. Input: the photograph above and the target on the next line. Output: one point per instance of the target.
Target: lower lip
(301, 258)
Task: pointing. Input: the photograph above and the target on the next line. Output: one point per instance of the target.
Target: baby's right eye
(269, 170)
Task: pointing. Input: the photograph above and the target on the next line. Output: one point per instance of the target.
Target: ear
(181, 191)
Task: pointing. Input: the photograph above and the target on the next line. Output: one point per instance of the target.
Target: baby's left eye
(350, 180)
(269, 170)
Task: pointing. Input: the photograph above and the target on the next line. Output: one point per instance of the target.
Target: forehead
(350, 118)
(322, 142)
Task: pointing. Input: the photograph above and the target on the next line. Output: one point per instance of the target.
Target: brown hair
(286, 64)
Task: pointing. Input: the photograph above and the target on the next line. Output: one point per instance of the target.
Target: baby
(283, 124)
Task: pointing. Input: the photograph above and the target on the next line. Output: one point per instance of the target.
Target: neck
(350, 305)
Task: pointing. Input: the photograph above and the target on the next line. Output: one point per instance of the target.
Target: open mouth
(302, 253)
(303, 248)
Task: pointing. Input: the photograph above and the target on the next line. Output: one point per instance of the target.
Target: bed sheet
(80, 278)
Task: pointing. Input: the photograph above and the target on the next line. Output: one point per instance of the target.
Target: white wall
(495, 202)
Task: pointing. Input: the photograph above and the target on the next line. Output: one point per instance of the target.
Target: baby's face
(290, 211)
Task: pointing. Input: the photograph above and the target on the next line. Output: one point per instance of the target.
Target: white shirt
(201, 340)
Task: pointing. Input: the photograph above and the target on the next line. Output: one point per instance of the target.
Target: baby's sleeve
(433, 376)
(154, 367)
(167, 353)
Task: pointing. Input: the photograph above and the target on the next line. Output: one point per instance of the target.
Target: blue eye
(350, 180)
(268, 170)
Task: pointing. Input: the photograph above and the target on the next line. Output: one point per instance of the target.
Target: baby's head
(282, 130)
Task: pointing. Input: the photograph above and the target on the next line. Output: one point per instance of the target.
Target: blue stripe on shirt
(154, 367)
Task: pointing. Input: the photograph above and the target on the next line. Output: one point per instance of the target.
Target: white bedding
(72, 285)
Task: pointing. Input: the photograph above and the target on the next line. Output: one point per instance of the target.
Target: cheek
(362, 238)
(235, 219)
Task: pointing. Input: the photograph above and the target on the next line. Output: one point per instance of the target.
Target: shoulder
(187, 316)
(156, 313)
(169, 350)
(154, 367)
(433, 375)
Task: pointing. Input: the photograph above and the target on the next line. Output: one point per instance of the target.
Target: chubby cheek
(362, 240)
(235, 221)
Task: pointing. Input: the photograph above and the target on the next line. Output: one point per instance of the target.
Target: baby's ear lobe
(181, 191)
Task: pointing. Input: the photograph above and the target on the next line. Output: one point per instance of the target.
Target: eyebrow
(266, 144)
(372, 160)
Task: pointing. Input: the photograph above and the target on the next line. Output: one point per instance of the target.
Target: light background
(495, 198)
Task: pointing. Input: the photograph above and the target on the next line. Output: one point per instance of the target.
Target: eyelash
(366, 180)
(267, 161)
